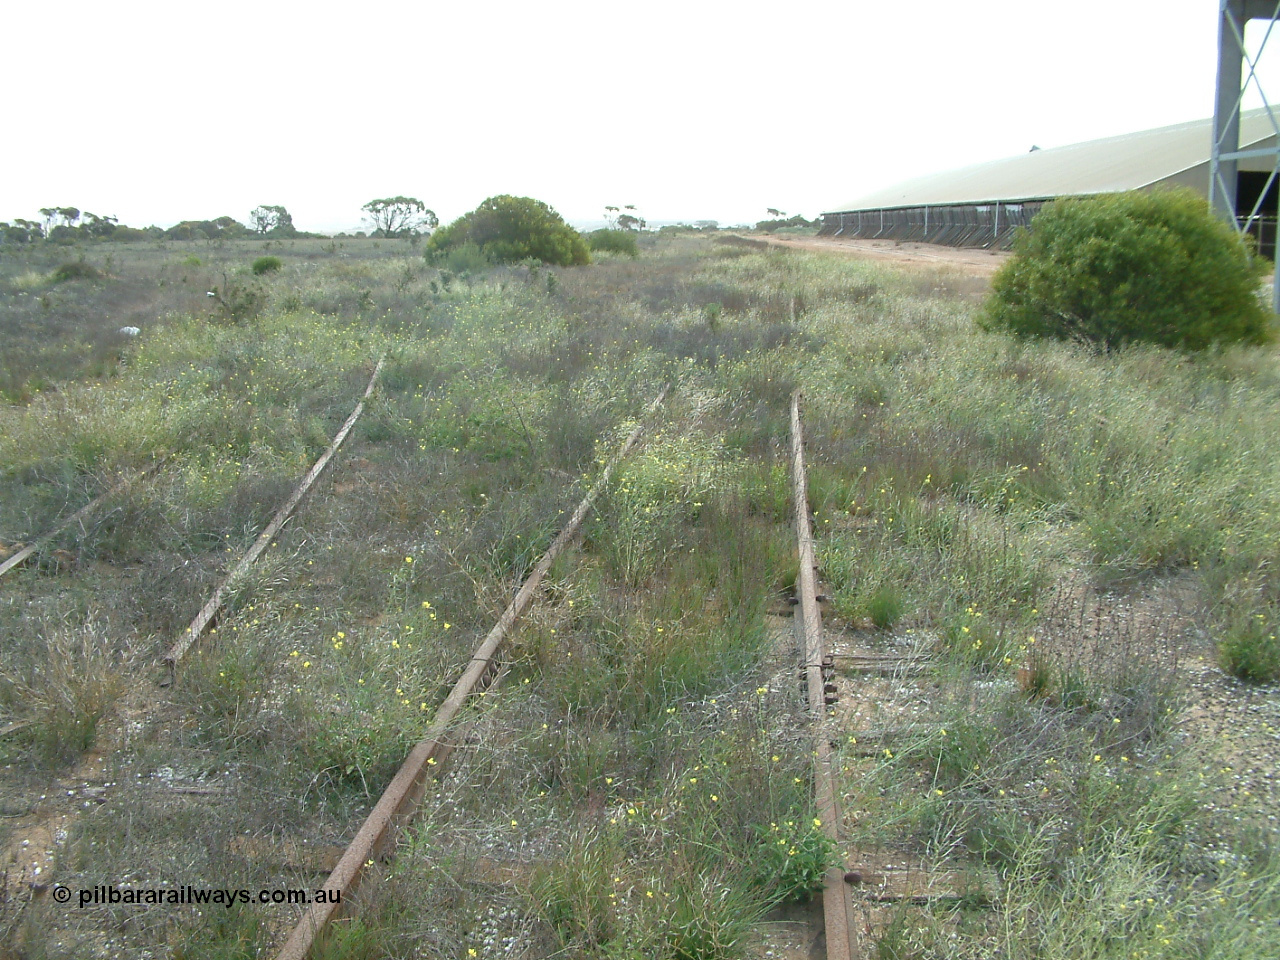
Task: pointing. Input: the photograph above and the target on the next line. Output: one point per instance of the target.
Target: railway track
(375, 840)
(87, 510)
(403, 796)
(87, 780)
(210, 610)
(854, 895)
(837, 904)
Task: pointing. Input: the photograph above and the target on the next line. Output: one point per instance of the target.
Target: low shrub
(463, 260)
(236, 301)
(885, 607)
(614, 241)
(61, 687)
(76, 270)
(704, 917)
(1153, 267)
(266, 265)
(511, 229)
(1251, 652)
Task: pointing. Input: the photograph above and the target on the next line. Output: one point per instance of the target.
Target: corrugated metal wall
(991, 226)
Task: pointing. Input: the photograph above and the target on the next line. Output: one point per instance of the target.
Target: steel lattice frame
(1233, 85)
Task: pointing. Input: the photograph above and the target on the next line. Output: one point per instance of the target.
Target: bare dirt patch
(971, 260)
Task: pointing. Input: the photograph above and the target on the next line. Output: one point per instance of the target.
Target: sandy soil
(973, 260)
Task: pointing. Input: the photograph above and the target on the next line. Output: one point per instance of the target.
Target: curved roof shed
(1013, 189)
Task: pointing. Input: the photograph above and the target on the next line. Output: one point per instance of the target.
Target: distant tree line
(779, 220)
(388, 217)
(58, 224)
(65, 225)
(503, 229)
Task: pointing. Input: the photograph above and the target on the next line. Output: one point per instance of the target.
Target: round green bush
(1154, 267)
(75, 270)
(509, 229)
(614, 241)
(266, 265)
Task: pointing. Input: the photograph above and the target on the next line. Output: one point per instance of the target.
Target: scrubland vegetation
(1064, 532)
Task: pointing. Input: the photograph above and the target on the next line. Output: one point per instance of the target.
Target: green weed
(575, 894)
(885, 607)
(793, 858)
(1250, 651)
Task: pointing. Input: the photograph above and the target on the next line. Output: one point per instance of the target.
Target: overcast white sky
(700, 109)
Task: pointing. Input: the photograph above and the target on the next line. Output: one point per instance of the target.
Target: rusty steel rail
(43, 541)
(400, 801)
(837, 904)
(210, 609)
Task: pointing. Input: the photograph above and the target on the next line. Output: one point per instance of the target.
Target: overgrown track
(1042, 568)
(214, 603)
(43, 540)
(400, 801)
(837, 906)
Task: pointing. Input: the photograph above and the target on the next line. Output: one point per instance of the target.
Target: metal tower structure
(1233, 85)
